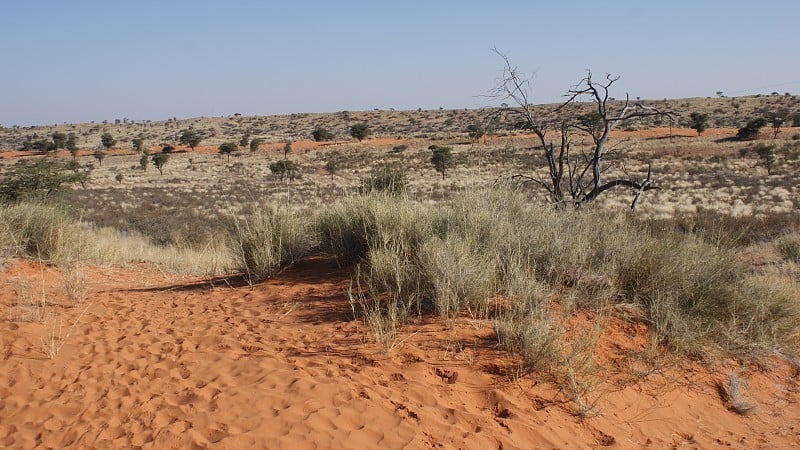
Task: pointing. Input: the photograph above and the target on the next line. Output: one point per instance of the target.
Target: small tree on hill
(108, 140)
(766, 152)
(360, 131)
(59, 139)
(160, 160)
(190, 138)
(37, 179)
(287, 149)
(475, 132)
(283, 168)
(698, 122)
(72, 145)
(750, 131)
(441, 159)
(255, 143)
(331, 168)
(227, 148)
(321, 134)
(245, 140)
(144, 161)
(138, 144)
(99, 155)
(777, 120)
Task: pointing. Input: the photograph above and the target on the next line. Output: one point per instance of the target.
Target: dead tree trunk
(574, 178)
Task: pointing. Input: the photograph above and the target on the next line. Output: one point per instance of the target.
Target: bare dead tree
(574, 177)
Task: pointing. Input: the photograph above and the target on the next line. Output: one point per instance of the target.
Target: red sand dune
(160, 363)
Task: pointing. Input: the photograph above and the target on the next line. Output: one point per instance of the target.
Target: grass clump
(789, 247)
(492, 252)
(42, 231)
(268, 239)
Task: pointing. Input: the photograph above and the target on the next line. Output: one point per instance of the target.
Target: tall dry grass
(465, 253)
(268, 239)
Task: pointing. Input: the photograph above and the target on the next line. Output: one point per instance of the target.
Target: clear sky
(82, 60)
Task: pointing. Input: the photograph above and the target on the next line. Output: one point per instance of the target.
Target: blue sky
(78, 61)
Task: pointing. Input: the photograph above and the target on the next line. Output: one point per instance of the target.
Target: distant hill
(724, 112)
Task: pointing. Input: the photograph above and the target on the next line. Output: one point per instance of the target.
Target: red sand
(159, 363)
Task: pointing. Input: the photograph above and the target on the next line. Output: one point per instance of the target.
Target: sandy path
(158, 363)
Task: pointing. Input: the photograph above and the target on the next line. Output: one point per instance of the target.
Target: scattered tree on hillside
(138, 144)
(766, 152)
(160, 160)
(575, 176)
(287, 149)
(475, 132)
(698, 122)
(751, 129)
(441, 158)
(284, 167)
(245, 140)
(255, 143)
(227, 148)
(777, 119)
(99, 155)
(37, 179)
(331, 167)
(321, 134)
(72, 145)
(59, 140)
(360, 131)
(190, 138)
(144, 161)
(108, 140)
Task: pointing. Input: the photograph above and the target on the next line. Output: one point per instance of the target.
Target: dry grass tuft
(268, 239)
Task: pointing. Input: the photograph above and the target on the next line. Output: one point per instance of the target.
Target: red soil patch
(195, 363)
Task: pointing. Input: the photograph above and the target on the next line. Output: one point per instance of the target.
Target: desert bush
(479, 246)
(789, 247)
(321, 134)
(38, 179)
(269, 239)
(391, 181)
(751, 129)
(190, 138)
(360, 131)
(108, 141)
(698, 121)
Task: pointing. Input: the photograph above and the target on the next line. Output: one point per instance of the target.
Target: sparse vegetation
(698, 122)
(321, 134)
(160, 160)
(442, 158)
(108, 140)
(392, 181)
(227, 148)
(269, 239)
(751, 129)
(37, 179)
(360, 131)
(190, 138)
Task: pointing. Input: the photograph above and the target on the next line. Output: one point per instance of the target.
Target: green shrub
(38, 179)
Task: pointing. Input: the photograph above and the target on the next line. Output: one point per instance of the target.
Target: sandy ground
(158, 362)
